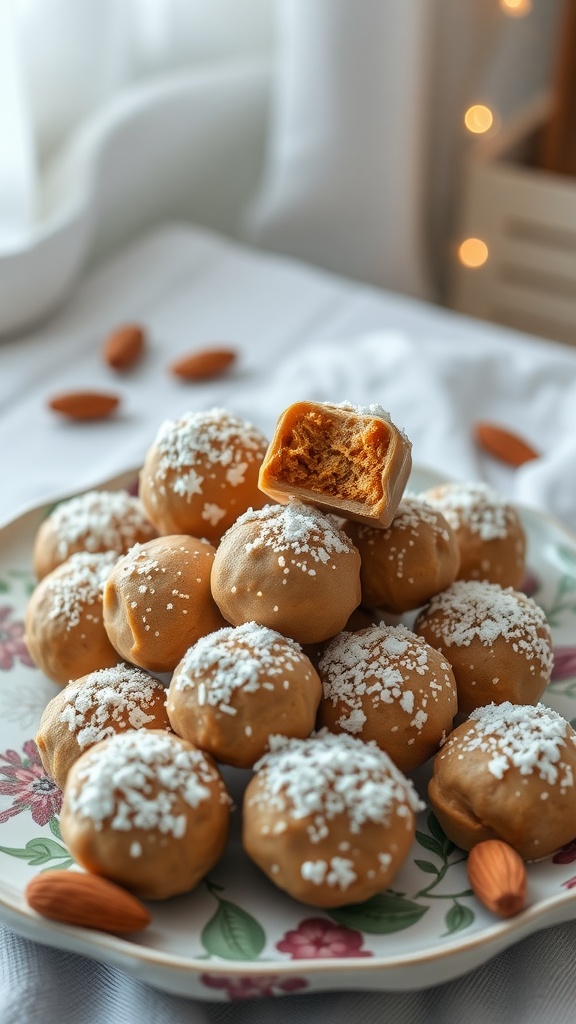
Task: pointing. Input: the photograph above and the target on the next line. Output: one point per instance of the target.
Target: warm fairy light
(516, 8)
(473, 252)
(478, 118)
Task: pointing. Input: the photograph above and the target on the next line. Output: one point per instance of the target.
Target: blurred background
(426, 146)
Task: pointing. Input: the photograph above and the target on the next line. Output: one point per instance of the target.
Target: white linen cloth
(301, 334)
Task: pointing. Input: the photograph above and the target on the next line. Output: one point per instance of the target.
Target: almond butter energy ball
(95, 521)
(404, 565)
(288, 567)
(147, 810)
(95, 707)
(329, 819)
(65, 631)
(386, 684)
(508, 773)
(488, 529)
(201, 473)
(236, 687)
(497, 641)
(157, 601)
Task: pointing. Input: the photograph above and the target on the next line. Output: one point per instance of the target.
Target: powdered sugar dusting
(470, 610)
(244, 657)
(100, 520)
(329, 775)
(200, 440)
(138, 779)
(529, 738)
(304, 531)
(476, 506)
(110, 700)
(77, 584)
(376, 666)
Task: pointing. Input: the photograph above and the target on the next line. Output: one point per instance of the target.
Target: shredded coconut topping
(109, 700)
(470, 609)
(297, 528)
(526, 737)
(200, 440)
(329, 775)
(77, 584)
(476, 506)
(245, 657)
(101, 520)
(138, 779)
(375, 666)
(412, 513)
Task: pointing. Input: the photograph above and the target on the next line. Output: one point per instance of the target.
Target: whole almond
(123, 347)
(204, 364)
(86, 900)
(497, 875)
(84, 405)
(503, 444)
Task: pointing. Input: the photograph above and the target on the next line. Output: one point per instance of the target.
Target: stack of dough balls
(385, 684)
(508, 773)
(147, 810)
(496, 639)
(95, 707)
(95, 521)
(235, 688)
(404, 565)
(201, 472)
(329, 819)
(488, 529)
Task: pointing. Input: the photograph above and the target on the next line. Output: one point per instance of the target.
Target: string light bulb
(473, 252)
(516, 8)
(478, 118)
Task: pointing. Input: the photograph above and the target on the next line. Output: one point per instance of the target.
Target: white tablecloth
(301, 334)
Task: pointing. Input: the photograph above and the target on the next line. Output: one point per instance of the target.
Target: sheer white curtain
(365, 135)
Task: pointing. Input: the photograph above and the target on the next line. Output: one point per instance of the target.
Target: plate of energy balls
(287, 715)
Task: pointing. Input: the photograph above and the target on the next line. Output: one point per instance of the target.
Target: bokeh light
(478, 118)
(516, 8)
(473, 252)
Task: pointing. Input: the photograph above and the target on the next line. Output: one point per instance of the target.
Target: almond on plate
(497, 875)
(84, 405)
(86, 900)
(204, 363)
(123, 346)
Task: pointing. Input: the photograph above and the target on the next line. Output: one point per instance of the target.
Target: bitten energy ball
(157, 601)
(95, 521)
(64, 627)
(497, 641)
(329, 819)
(147, 810)
(95, 707)
(236, 687)
(508, 773)
(386, 684)
(288, 567)
(201, 473)
(346, 459)
(488, 529)
(404, 565)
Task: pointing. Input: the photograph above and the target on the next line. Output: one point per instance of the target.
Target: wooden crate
(527, 218)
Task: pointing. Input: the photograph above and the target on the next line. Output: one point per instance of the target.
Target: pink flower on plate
(530, 584)
(564, 663)
(27, 783)
(566, 855)
(316, 937)
(12, 646)
(253, 986)
(570, 883)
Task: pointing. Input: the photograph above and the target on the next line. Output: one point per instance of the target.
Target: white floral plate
(236, 936)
